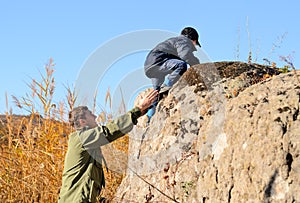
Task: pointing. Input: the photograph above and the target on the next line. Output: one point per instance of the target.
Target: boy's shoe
(163, 92)
(148, 121)
(164, 89)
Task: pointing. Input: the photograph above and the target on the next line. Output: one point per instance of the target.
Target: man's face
(90, 119)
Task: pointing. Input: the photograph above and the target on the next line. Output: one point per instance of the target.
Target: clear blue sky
(70, 31)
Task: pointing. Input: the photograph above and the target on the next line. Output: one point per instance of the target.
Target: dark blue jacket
(179, 47)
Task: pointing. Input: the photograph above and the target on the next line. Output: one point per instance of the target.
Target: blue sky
(71, 31)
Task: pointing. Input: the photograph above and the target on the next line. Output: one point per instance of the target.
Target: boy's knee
(182, 67)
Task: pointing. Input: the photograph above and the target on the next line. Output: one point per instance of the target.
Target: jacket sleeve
(185, 51)
(101, 135)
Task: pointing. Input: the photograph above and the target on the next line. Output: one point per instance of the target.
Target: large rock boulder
(227, 132)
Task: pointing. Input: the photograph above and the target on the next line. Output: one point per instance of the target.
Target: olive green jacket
(83, 176)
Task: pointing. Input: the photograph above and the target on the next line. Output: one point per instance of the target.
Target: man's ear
(82, 122)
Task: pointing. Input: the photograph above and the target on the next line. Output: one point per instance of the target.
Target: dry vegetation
(33, 147)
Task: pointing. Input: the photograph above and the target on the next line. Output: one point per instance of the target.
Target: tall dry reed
(33, 146)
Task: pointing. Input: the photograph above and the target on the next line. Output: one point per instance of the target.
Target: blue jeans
(174, 68)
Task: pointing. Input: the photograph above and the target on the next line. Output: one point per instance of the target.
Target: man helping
(83, 176)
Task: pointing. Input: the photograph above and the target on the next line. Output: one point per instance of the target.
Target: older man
(83, 175)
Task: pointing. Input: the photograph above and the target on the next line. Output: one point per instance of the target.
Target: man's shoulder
(74, 138)
(72, 135)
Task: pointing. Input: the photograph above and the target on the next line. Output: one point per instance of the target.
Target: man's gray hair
(75, 114)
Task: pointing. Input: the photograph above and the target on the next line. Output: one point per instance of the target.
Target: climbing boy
(170, 58)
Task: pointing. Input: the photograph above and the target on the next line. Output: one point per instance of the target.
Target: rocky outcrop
(227, 132)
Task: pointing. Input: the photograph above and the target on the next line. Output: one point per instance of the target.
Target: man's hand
(146, 102)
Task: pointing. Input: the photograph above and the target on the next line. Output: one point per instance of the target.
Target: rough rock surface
(227, 132)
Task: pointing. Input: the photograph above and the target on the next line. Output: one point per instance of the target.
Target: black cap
(192, 34)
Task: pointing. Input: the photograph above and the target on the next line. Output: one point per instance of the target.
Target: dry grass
(31, 166)
(33, 147)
